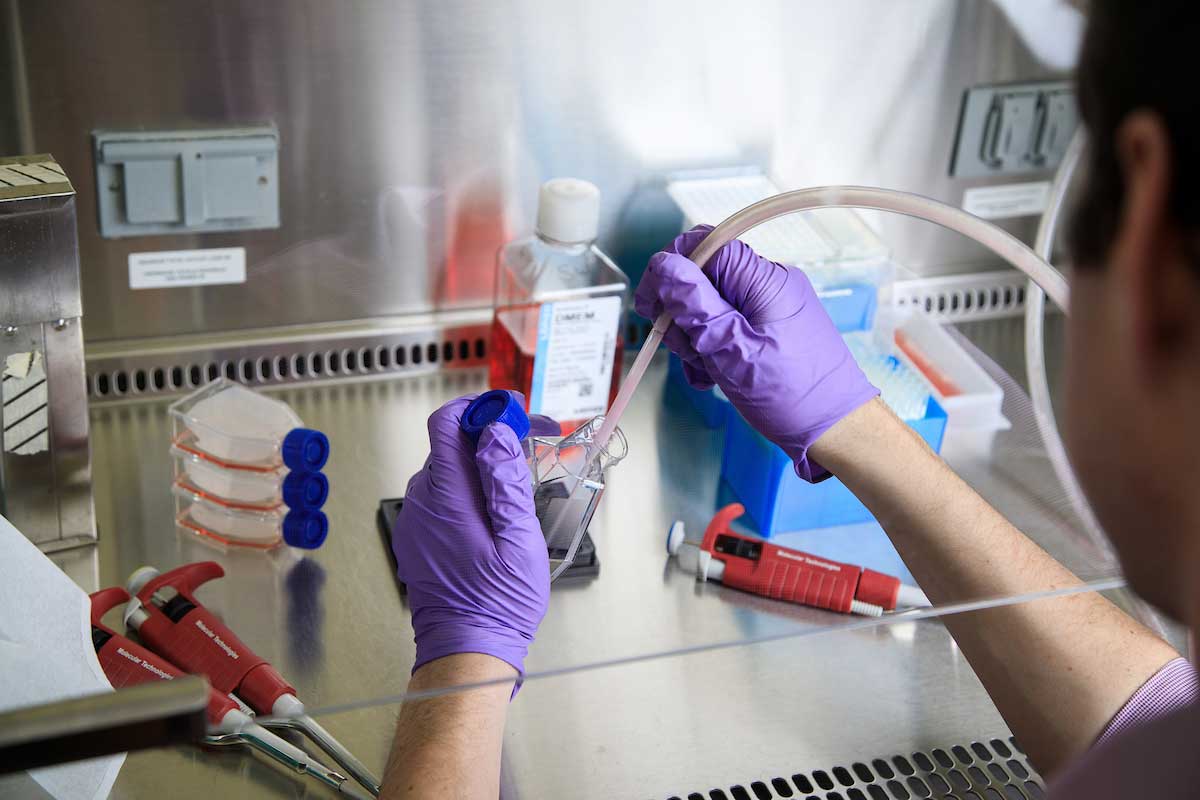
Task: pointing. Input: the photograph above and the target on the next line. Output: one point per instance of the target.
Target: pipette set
(179, 635)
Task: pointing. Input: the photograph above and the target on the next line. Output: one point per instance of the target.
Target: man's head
(1133, 371)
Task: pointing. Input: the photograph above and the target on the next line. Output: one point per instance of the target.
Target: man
(1110, 711)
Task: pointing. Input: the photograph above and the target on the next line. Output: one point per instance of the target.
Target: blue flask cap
(305, 449)
(498, 405)
(305, 529)
(305, 490)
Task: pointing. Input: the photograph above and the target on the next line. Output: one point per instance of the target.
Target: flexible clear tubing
(1000, 242)
(1039, 387)
(1035, 351)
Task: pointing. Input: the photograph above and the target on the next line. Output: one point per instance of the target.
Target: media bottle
(560, 303)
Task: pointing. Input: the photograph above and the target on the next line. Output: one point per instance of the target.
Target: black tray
(586, 564)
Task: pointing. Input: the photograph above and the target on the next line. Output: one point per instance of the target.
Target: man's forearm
(1057, 669)
(449, 745)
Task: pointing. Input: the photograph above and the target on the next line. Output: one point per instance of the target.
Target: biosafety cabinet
(307, 198)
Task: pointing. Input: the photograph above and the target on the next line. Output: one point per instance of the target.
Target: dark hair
(1136, 54)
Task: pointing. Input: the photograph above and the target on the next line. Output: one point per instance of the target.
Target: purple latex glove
(469, 547)
(756, 329)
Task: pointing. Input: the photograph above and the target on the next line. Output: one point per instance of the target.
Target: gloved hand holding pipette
(756, 329)
(469, 547)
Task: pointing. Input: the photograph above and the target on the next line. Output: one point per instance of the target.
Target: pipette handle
(791, 576)
(126, 663)
(180, 628)
(104, 601)
(782, 573)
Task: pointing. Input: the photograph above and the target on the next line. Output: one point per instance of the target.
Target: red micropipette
(782, 573)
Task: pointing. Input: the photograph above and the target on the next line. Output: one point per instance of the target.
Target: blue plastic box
(851, 306)
(763, 479)
(712, 407)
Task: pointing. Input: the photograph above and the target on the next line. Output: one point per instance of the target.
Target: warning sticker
(174, 268)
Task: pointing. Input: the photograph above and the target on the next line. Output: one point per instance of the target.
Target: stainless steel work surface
(832, 688)
(672, 726)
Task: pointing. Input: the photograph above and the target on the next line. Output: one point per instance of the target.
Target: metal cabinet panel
(45, 463)
(413, 136)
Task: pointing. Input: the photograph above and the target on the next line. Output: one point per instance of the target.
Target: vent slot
(963, 298)
(117, 377)
(952, 298)
(996, 770)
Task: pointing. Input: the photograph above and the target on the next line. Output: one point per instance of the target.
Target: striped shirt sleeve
(1170, 689)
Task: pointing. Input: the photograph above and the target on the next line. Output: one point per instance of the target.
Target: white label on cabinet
(1007, 200)
(169, 269)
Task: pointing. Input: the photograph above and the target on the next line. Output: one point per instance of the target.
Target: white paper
(19, 365)
(46, 654)
(174, 268)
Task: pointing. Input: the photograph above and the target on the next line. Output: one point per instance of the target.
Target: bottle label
(572, 367)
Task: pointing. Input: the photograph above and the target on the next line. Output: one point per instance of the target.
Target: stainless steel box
(45, 461)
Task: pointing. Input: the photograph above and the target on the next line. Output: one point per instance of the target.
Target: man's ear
(1147, 255)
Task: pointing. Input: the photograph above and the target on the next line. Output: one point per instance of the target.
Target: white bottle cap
(568, 210)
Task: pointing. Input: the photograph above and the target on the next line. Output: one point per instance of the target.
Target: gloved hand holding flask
(469, 547)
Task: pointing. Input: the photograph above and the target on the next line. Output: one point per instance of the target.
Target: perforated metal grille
(996, 770)
(264, 364)
(951, 298)
(955, 298)
(962, 298)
